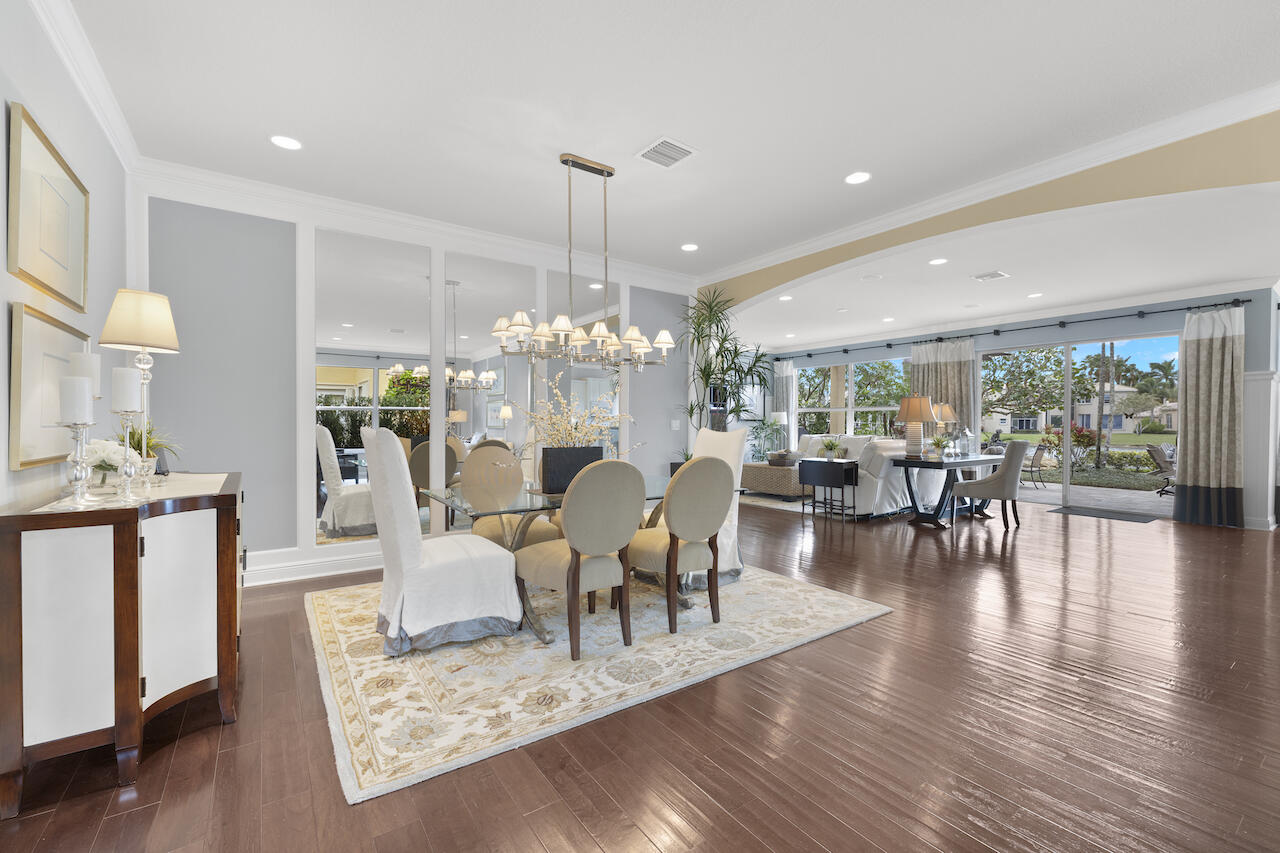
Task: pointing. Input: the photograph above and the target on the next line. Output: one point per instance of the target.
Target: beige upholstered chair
(459, 448)
(441, 589)
(420, 465)
(1002, 485)
(601, 511)
(491, 442)
(695, 505)
(491, 480)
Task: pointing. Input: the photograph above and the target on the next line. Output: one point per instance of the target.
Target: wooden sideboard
(112, 614)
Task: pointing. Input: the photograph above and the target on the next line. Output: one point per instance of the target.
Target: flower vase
(561, 464)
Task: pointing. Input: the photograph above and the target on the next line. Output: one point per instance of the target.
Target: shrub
(1123, 460)
(1151, 426)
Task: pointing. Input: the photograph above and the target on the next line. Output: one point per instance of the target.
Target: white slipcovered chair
(1001, 485)
(491, 480)
(441, 589)
(695, 505)
(348, 511)
(601, 511)
(730, 447)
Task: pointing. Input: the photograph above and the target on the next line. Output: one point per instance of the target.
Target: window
(344, 402)
(855, 398)
(1023, 423)
(1086, 420)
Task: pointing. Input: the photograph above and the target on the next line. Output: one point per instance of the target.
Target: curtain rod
(1060, 324)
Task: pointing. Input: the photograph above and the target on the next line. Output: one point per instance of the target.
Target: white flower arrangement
(105, 455)
(557, 423)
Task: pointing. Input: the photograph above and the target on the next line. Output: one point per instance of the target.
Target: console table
(112, 614)
(935, 516)
(828, 474)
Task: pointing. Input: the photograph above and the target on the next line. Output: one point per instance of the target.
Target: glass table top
(480, 501)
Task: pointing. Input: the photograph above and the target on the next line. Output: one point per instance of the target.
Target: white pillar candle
(126, 389)
(88, 364)
(75, 400)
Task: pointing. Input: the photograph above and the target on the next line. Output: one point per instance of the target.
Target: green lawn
(1107, 478)
(1118, 439)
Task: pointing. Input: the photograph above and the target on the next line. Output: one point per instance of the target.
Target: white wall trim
(1261, 391)
(1235, 109)
(61, 23)
(287, 564)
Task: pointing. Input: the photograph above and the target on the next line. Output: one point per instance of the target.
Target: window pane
(349, 388)
(404, 402)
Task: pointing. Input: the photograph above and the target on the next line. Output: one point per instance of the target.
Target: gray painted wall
(228, 397)
(659, 394)
(32, 74)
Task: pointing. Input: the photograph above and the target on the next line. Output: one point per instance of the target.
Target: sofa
(785, 482)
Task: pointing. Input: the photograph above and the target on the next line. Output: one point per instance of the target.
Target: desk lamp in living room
(915, 412)
(141, 321)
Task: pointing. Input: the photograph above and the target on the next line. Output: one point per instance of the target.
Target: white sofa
(811, 445)
(882, 488)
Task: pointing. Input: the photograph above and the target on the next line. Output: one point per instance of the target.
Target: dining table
(529, 502)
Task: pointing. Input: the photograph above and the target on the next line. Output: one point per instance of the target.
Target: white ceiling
(1085, 256)
(456, 111)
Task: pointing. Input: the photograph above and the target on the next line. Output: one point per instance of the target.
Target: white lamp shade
(457, 416)
(600, 332)
(520, 324)
(780, 418)
(422, 370)
(613, 344)
(664, 341)
(448, 374)
(505, 412)
(543, 332)
(396, 369)
(561, 325)
(467, 375)
(502, 329)
(579, 338)
(632, 335)
(916, 410)
(140, 319)
(643, 347)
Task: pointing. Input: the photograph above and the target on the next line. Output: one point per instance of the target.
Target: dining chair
(695, 505)
(1165, 468)
(491, 442)
(1001, 485)
(439, 589)
(600, 512)
(348, 509)
(1035, 467)
(492, 480)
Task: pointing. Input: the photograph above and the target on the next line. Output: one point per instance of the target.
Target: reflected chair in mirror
(695, 505)
(1165, 468)
(600, 513)
(348, 508)
(492, 480)
(1001, 485)
(420, 469)
(491, 442)
(437, 589)
(459, 448)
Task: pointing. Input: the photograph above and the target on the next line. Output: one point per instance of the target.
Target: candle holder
(128, 468)
(79, 473)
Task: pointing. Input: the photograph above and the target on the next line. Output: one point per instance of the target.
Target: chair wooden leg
(673, 556)
(1004, 512)
(624, 598)
(713, 579)
(521, 592)
(1017, 522)
(591, 601)
(574, 606)
(613, 598)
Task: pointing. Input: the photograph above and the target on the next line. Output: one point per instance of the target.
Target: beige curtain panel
(1210, 476)
(944, 372)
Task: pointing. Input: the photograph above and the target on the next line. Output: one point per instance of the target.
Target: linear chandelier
(463, 380)
(561, 339)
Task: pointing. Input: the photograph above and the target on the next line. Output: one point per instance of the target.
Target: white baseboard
(1259, 523)
(271, 567)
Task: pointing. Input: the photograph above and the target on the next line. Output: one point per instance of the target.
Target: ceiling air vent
(666, 152)
(990, 276)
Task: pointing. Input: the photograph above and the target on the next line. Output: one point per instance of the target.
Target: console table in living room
(110, 615)
(832, 475)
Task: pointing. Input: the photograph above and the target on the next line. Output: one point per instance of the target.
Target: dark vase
(675, 466)
(561, 464)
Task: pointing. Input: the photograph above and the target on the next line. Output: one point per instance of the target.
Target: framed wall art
(40, 353)
(493, 415)
(48, 215)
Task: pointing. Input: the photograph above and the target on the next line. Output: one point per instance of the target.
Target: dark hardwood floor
(1077, 684)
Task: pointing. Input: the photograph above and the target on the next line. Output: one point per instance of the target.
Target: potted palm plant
(725, 370)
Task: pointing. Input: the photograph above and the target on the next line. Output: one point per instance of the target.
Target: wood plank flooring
(1077, 684)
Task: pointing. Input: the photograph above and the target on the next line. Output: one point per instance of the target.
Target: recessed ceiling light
(288, 143)
(689, 247)
(335, 339)
(784, 298)
(1034, 295)
(875, 276)
(841, 310)
(397, 331)
(347, 325)
(887, 320)
(595, 285)
(937, 262)
(790, 334)
(971, 305)
(464, 337)
(858, 178)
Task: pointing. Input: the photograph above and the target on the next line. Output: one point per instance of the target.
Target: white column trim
(1259, 447)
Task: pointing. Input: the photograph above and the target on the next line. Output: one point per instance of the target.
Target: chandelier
(463, 380)
(561, 339)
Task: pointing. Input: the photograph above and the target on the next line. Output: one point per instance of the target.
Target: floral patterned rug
(397, 721)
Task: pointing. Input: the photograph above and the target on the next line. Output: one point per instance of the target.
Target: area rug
(397, 721)
(772, 502)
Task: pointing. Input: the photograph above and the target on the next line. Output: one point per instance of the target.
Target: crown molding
(1219, 114)
(62, 25)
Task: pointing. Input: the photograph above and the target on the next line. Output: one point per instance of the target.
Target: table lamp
(141, 321)
(457, 416)
(915, 412)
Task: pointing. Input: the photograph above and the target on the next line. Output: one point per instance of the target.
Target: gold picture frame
(40, 350)
(48, 215)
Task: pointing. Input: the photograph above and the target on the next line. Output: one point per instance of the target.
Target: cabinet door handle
(142, 546)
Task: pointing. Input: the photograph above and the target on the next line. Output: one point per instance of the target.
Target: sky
(1141, 352)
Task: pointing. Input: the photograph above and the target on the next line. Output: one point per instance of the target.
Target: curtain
(944, 372)
(785, 391)
(1210, 474)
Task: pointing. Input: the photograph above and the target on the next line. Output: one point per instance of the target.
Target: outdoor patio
(1119, 500)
